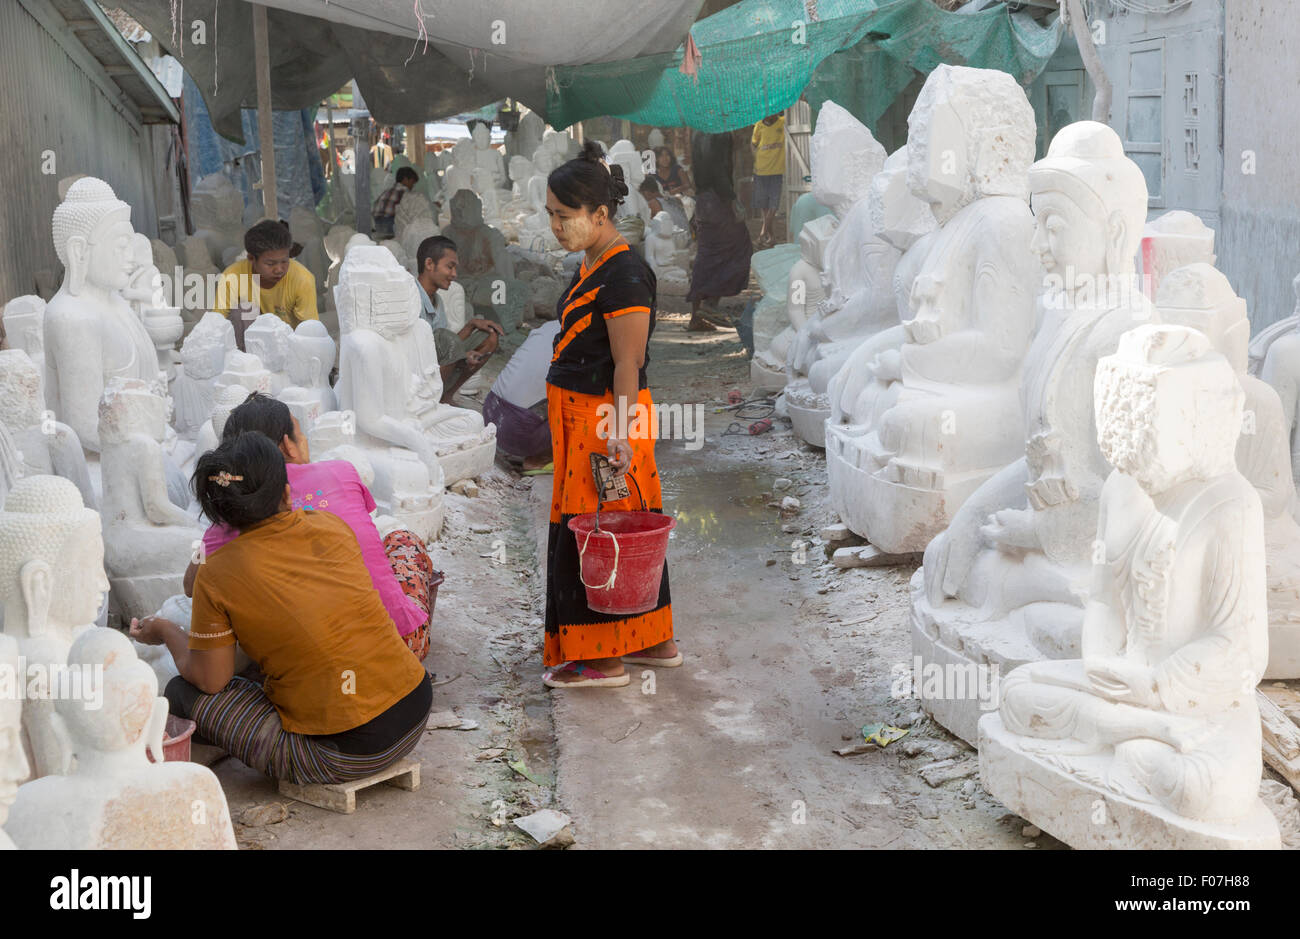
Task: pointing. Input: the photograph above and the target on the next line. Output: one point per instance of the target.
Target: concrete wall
(52, 104)
(1259, 241)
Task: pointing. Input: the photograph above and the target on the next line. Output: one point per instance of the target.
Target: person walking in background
(721, 267)
(384, 211)
(768, 141)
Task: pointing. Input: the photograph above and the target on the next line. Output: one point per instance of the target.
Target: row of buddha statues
(93, 391)
(1093, 460)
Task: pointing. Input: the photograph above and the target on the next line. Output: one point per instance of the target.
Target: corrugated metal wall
(48, 103)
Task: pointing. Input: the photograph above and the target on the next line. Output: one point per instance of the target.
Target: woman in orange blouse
(599, 360)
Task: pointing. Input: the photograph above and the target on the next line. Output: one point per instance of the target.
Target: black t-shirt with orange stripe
(620, 282)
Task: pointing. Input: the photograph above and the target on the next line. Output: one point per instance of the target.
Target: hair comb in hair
(225, 479)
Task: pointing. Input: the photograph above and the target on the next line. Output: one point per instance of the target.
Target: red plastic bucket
(622, 565)
(176, 740)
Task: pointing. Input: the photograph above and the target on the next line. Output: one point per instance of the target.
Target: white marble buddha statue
(487, 270)
(527, 137)
(203, 359)
(148, 539)
(535, 225)
(33, 442)
(1012, 569)
(857, 275)
(268, 337)
(956, 418)
(868, 380)
(144, 291)
(22, 322)
(246, 370)
(1157, 715)
(1275, 357)
(664, 257)
(13, 761)
(389, 376)
(413, 207)
(117, 798)
(311, 355)
(1198, 296)
(1171, 241)
(488, 159)
(804, 290)
(52, 585)
(217, 209)
(91, 333)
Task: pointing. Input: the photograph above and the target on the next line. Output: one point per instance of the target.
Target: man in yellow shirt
(769, 166)
(269, 281)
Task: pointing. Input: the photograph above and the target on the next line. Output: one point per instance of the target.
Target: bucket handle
(609, 584)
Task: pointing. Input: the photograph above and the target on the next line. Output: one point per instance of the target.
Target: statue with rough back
(91, 333)
(1157, 719)
(955, 417)
(148, 539)
(52, 585)
(1009, 577)
(116, 798)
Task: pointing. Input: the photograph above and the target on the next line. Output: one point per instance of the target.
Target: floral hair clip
(225, 479)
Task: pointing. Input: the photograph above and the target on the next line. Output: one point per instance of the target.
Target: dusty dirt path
(785, 662)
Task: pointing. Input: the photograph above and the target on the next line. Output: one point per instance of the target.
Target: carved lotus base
(808, 412)
(765, 377)
(1084, 814)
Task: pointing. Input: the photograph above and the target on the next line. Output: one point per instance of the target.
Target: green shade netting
(861, 53)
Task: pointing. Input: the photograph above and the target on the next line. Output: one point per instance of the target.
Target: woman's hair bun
(591, 151)
(617, 184)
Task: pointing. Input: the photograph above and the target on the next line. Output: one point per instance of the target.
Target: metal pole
(265, 125)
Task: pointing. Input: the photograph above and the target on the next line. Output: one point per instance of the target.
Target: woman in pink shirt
(399, 566)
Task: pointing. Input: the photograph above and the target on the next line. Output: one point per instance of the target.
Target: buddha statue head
(521, 169)
(216, 204)
(20, 390)
(227, 399)
(129, 407)
(52, 579)
(1199, 296)
(633, 168)
(1090, 204)
(462, 151)
(129, 692)
(662, 225)
(845, 157)
(376, 293)
(545, 161)
(203, 353)
(897, 215)
(13, 761)
(1168, 407)
(311, 354)
(482, 136)
(1171, 241)
(92, 237)
(245, 370)
(466, 210)
(415, 235)
(970, 135)
(267, 337)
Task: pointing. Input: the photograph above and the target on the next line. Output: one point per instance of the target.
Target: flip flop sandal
(672, 662)
(541, 471)
(590, 678)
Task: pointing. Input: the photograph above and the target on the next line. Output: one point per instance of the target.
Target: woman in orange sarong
(595, 384)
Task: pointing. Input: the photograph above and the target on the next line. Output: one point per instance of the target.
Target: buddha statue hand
(1125, 681)
(1011, 531)
(923, 331)
(1048, 491)
(887, 366)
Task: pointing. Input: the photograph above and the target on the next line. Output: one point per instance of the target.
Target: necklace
(608, 244)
